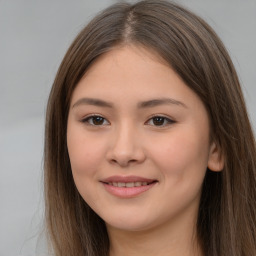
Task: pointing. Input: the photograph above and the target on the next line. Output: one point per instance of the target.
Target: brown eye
(160, 121)
(98, 120)
(95, 120)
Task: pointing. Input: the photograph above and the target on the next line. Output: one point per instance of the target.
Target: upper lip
(126, 179)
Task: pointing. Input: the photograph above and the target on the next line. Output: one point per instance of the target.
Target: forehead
(125, 64)
(131, 73)
(127, 56)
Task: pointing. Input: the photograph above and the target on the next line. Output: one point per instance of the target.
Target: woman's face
(138, 141)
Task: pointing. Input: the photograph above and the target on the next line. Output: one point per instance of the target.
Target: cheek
(182, 162)
(85, 152)
(181, 155)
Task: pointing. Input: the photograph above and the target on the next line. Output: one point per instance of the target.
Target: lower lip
(125, 192)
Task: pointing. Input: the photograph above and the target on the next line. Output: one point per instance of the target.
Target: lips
(127, 186)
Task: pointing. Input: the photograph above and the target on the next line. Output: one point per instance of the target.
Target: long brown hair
(227, 214)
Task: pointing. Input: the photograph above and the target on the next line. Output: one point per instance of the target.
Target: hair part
(226, 222)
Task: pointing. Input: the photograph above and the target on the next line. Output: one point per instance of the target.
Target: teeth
(137, 184)
(128, 184)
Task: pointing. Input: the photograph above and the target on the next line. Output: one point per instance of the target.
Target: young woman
(148, 148)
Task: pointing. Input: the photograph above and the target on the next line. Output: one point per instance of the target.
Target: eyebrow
(161, 101)
(143, 104)
(94, 102)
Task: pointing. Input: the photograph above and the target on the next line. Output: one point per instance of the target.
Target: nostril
(124, 157)
(123, 161)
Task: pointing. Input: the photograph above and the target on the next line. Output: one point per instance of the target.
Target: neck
(170, 239)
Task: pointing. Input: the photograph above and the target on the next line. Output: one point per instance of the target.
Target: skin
(127, 141)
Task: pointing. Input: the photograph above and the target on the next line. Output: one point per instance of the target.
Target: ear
(216, 159)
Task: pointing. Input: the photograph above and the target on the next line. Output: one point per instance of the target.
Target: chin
(130, 224)
(128, 227)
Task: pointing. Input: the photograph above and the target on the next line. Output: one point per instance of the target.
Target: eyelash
(88, 118)
(167, 121)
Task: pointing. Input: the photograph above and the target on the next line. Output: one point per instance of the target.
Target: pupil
(158, 120)
(97, 120)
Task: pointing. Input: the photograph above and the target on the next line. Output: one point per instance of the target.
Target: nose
(126, 147)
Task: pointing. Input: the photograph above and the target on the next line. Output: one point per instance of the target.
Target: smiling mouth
(129, 184)
(128, 187)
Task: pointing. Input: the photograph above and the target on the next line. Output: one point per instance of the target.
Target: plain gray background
(34, 36)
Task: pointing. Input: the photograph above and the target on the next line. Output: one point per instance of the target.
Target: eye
(95, 120)
(160, 121)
